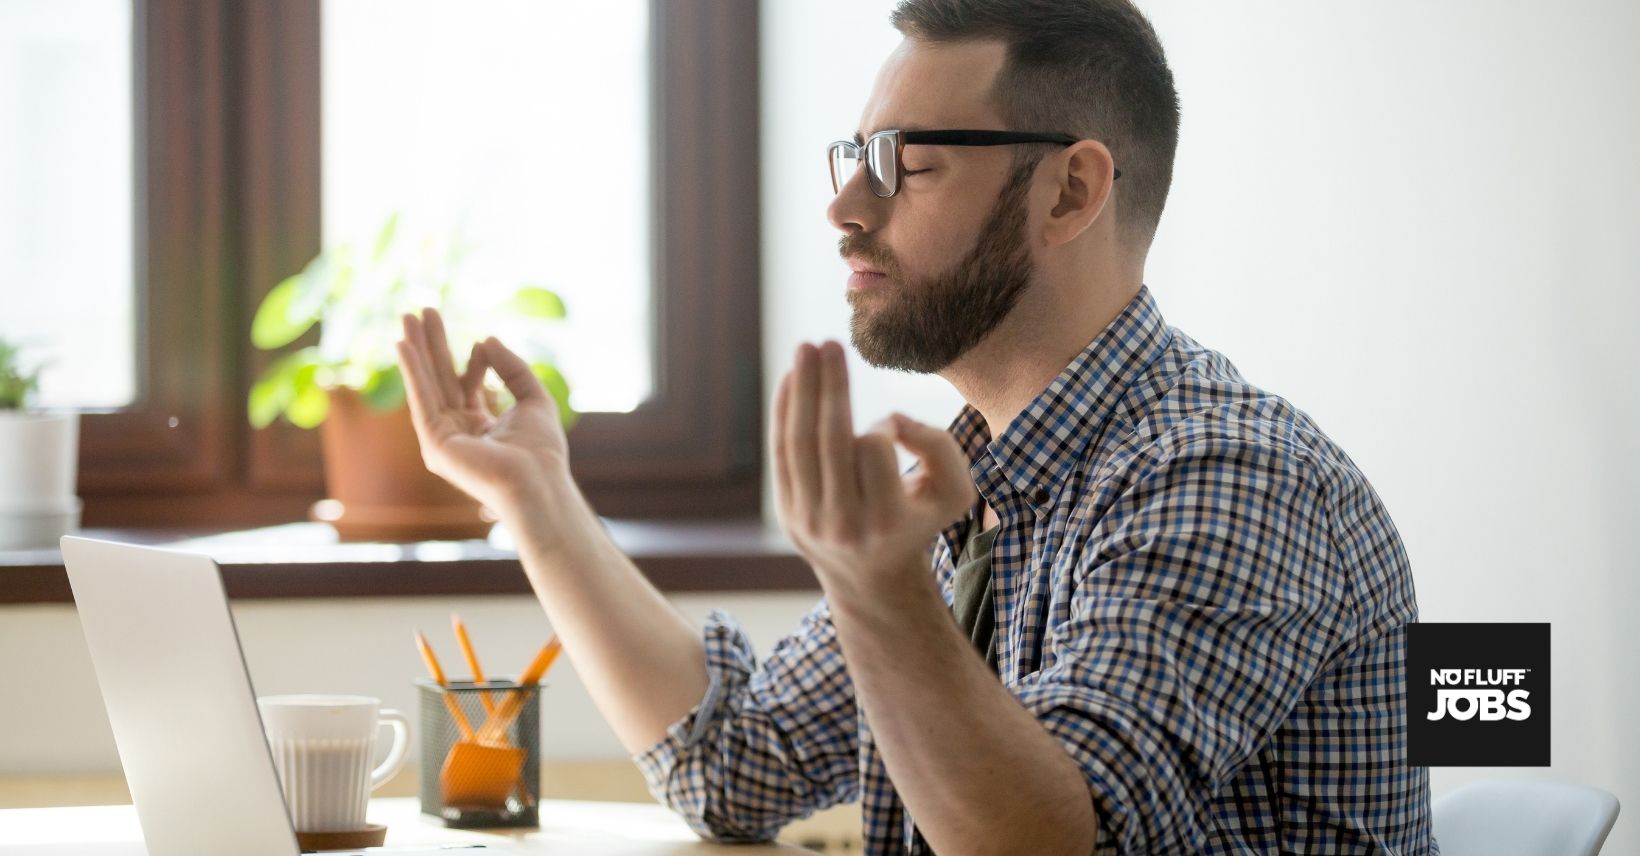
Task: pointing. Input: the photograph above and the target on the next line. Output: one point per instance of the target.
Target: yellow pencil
(438, 676)
(496, 726)
(472, 661)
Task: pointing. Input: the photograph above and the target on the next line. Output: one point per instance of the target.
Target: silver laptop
(180, 701)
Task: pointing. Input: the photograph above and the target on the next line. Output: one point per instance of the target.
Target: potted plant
(39, 456)
(348, 384)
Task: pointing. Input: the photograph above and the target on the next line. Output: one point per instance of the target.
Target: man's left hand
(858, 521)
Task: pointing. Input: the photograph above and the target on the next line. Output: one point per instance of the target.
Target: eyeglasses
(882, 153)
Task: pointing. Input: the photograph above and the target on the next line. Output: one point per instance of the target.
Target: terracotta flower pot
(379, 489)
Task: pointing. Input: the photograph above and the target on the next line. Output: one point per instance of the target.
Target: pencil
(438, 676)
(472, 661)
(496, 726)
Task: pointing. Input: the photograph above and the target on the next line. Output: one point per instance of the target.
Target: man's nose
(855, 207)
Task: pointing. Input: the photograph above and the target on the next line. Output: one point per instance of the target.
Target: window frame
(227, 161)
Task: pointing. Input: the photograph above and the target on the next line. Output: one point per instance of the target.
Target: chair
(1523, 817)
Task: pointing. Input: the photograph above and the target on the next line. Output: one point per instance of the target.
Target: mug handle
(401, 745)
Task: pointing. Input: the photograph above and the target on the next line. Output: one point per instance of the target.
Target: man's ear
(1082, 176)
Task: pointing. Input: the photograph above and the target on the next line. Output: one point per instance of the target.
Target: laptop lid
(179, 699)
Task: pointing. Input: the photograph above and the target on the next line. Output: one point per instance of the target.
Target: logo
(1490, 704)
(1477, 695)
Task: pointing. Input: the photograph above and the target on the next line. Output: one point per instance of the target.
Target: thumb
(943, 464)
(514, 372)
(916, 436)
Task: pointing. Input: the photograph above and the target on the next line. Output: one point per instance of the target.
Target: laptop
(182, 708)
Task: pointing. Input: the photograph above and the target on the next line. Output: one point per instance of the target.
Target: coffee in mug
(323, 746)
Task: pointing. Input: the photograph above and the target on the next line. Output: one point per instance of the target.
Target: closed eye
(918, 171)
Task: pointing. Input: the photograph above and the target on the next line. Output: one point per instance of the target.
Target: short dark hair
(1089, 68)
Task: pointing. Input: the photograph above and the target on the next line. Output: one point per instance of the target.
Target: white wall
(52, 719)
(1416, 221)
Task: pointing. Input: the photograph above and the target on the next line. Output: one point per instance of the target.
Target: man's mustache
(866, 248)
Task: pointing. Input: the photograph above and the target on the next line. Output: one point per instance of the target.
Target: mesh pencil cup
(480, 768)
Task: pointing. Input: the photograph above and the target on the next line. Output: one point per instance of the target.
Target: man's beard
(924, 325)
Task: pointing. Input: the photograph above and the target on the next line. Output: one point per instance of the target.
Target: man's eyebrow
(860, 140)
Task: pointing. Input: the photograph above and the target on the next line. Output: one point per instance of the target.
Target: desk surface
(567, 827)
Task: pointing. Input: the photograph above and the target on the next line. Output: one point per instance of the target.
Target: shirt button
(1040, 497)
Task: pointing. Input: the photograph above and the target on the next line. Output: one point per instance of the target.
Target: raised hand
(841, 497)
(501, 461)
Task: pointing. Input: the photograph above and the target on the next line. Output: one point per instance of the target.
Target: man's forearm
(974, 767)
(643, 662)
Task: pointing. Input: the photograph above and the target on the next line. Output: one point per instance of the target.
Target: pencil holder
(480, 761)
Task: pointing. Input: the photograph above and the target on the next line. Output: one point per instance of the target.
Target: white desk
(569, 828)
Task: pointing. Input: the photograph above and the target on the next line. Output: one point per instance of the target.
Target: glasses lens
(882, 167)
(845, 159)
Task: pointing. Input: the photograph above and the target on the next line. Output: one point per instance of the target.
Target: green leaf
(558, 388)
(536, 302)
(309, 407)
(279, 384)
(267, 401)
(384, 390)
(12, 393)
(278, 320)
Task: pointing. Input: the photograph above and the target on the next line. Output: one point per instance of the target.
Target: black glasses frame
(885, 186)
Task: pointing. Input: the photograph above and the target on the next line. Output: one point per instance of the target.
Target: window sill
(305, 560)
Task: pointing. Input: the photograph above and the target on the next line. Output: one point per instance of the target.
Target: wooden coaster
(371, 836)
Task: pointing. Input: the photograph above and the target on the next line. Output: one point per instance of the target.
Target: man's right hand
(643, 662)
(506, 462)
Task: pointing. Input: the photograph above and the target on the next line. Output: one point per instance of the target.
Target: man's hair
(1093, 69)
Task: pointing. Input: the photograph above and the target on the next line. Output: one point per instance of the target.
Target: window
(525, 128)
(230, 190)
(66, 209)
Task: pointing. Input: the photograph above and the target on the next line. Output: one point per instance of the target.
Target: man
(1166, 614)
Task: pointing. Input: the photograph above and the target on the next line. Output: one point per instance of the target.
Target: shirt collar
(1042, 445)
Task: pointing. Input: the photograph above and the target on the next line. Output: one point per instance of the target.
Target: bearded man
(1126, 603)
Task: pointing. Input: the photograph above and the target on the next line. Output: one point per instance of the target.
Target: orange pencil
(496, 726)
(472, 660)
(438, 676)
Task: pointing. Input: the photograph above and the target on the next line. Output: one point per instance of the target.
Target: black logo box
(1450, 742)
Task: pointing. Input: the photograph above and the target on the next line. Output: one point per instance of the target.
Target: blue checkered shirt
(1197, 593)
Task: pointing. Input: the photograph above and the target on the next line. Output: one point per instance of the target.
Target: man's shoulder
(1193, 400)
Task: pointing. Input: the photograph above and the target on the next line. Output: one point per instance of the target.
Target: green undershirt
(972, 603)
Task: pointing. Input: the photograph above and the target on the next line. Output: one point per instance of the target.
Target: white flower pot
(39, 458)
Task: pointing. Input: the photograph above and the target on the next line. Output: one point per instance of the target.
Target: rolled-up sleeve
(769, 743)
(1209, 605)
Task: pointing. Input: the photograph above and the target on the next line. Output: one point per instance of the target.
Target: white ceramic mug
(322, 746)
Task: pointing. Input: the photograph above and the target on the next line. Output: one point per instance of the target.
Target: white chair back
(1523, 817)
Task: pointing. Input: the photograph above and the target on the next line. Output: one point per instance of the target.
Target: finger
(438, 353)
(514, 372)
(419, 418)
(419, 389)
(878, 473)
(944, 466)
(777, 448)
(835, 429)
(800, 436)
(472, 379)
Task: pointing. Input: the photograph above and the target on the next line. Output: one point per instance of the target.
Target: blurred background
(1415, 221)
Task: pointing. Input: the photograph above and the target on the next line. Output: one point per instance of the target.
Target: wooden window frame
(228, 203)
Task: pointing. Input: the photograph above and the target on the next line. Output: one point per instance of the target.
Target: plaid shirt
(1197, 593)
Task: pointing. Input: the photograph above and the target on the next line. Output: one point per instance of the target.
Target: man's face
(941, 263)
